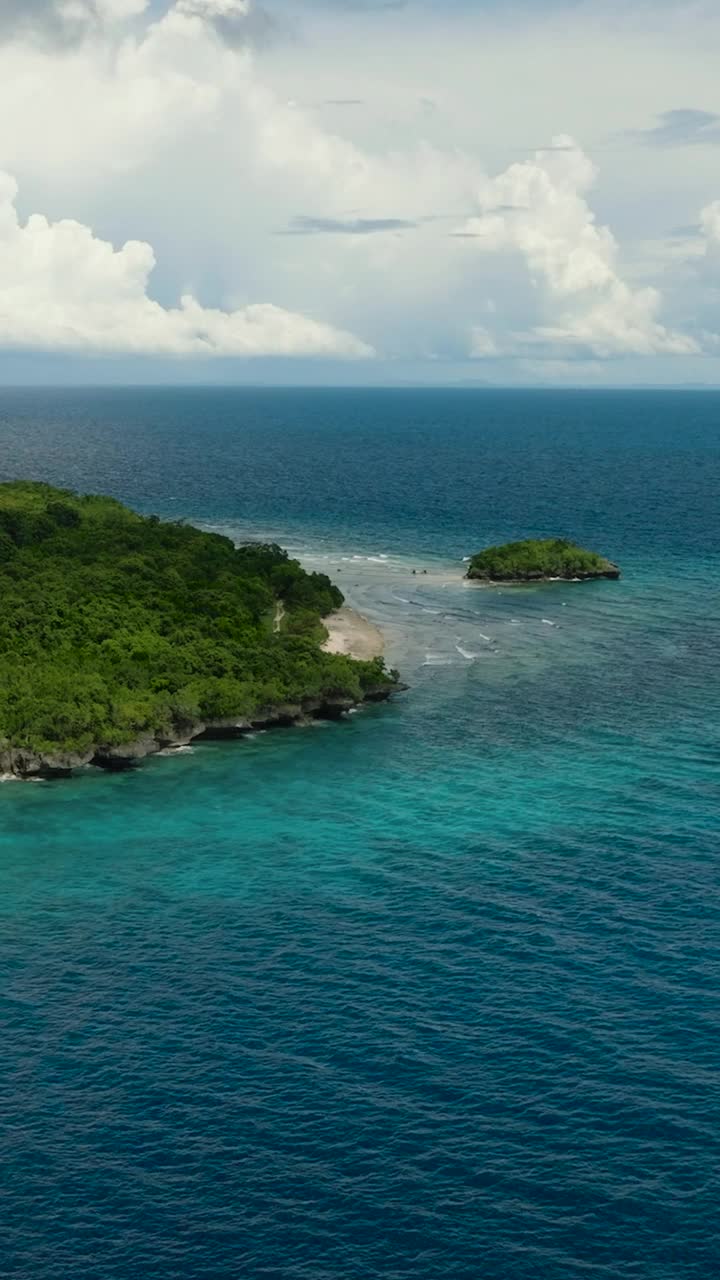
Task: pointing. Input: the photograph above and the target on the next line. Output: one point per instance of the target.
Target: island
(124, 635)
(539, 560)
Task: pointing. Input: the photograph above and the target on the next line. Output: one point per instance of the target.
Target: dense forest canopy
(539, 558)
(113, 624)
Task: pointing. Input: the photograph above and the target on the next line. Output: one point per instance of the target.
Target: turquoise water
(429, 993)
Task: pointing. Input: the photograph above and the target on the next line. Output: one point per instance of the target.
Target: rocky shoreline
(22, 763)
(534, 579)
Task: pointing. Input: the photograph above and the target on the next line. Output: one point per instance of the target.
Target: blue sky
(355, 191)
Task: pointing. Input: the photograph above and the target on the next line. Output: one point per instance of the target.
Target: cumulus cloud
(369, 6)
(67, 23)
(237, 22)
(538, 209)
(61, 288)
(63, 21)
(184, 115)
(710, 223)
(215, 8)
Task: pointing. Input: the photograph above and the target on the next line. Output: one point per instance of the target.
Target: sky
(360, 192)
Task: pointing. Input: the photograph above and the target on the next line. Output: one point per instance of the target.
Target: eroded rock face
(23, 763)
(126, 755)
(229, 727)
(381, 693)
(610, 570)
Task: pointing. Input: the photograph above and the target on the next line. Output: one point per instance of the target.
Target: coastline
(538, 582)
(27, 765)
(269, 678)
(354, 636)
(349, 634)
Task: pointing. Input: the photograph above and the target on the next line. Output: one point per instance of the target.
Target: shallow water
(432, 992)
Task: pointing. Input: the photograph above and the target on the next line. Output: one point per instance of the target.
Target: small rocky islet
(123, 635)
(539, 560)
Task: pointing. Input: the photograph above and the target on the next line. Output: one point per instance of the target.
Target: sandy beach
(353, 635)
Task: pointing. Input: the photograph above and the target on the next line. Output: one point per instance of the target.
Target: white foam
(548, 623)
(465, 653)
(13, 777)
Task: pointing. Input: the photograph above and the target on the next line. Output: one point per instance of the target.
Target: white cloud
(72, 18)
(214, 8)
(180, 137)
(710, 223)
(538, 208)
(482, 343)
(120, 10)
(62, 288)
(176, 131)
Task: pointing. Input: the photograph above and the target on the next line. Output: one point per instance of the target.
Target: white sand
(353, 635)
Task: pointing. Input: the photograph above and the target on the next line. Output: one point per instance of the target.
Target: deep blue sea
(430, 994)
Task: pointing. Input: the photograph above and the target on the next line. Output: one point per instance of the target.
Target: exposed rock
(125, 756)
(24, 763)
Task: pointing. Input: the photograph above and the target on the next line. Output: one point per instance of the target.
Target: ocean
(429, 994)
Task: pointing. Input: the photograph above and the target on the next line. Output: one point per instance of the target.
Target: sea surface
(430, 994)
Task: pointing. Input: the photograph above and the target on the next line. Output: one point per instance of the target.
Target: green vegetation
(114, 626)
(537, 560)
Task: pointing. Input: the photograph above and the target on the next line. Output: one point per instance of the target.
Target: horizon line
(699, 387)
